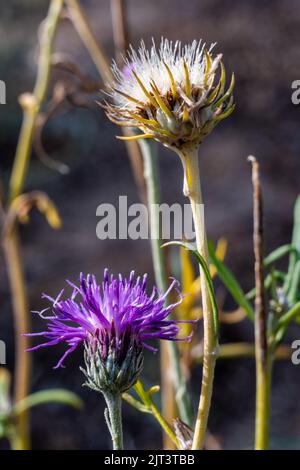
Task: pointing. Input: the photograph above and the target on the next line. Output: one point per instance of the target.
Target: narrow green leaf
(208, 278)
(136, 403)
(294, 290)
(295, 255)
(280, 334)
(141, 392)
(288, 316)
(153, 390)
(277, 275)
(231, 283)
(278, 253)
(55, 395)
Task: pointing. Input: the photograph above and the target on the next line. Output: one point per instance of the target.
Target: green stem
(114, 421)
(31, 104)
(21, 325)
(15, 440)
(151, 174)
(263, 393)
(263, 350)
(149, 403)
(152, 182)
(192, 190)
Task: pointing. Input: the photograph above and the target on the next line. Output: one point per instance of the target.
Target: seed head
(175, 95)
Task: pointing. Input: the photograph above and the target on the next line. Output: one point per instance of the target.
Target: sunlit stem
(192, 190)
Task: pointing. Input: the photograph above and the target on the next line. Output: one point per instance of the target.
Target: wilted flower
(171, 94)
(115, 320)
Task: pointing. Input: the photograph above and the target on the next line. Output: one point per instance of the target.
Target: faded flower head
(114, 320)
(175, 94)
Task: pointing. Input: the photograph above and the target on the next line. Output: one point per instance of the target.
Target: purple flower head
(114, 317)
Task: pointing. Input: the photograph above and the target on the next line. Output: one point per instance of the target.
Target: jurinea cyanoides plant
(114, 320)
(176, 95)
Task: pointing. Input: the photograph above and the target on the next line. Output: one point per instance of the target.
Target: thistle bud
(175, 95)
(112, 364)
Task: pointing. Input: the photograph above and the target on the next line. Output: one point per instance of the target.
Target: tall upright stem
(31, 105)
(151, 177)
(192, 190)
(263, 353)
(21, 324)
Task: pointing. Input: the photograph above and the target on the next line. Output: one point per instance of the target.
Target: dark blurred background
(260, 42)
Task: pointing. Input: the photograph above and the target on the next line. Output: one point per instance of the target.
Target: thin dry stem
(262, 356)
(82, 26)
(120, 28)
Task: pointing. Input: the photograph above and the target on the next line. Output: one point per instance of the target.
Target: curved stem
(151, 177)
(31, 104)
(192, 190)
(149, 403)
(114, 421)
